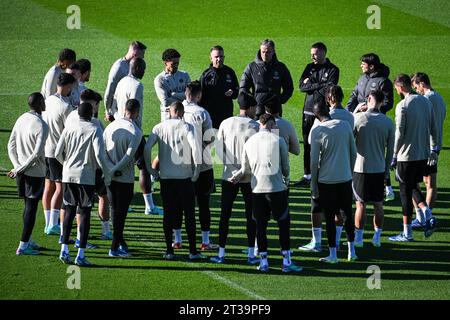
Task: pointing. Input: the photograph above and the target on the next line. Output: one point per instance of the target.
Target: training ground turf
(413, 37)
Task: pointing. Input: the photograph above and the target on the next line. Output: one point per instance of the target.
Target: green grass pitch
(414, 36)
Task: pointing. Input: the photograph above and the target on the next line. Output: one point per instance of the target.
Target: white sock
(148, 201)
(377, 234)
(64, 248)
(338, 235)
(205, 237)
(317, 235)
(307, 176)
(407, 230)
(251, 252)
(359, 233)
(54, 216)
(62, 227)
(221, 252)
(427, 213)
(286, 257)
(78, 233)
(47, 217)
(420, 215)
(351, 249)
(177, 233)
(333, 254)
(264, 260)
(105, 227)
(23, 245)
(81, 253)
(389, 189)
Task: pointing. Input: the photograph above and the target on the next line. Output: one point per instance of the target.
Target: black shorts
(410, 172)
(265, 204)
(100, 187)
(30, 187)
(80, 195)
(368, 187)
(139, 155)
(429, 170)
(205, 184)
(54, 169)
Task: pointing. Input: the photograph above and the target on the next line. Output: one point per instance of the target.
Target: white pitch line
(213, 275)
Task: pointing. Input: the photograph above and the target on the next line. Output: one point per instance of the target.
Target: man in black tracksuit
(267, 74)
(314, 81)
(219, 87)
(375, 77)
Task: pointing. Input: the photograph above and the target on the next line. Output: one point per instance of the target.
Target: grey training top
(374, 137)
(439, 113)
(333, 154)
(414, 125)
(119, 69)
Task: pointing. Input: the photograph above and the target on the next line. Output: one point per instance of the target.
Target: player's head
(66, 57)
(402, 84)
(334, 95)
(267, 50)
(85, 111)
(271, 104)
(132, 107)
(375, 99)
(370, 62)
(171, 60)
(137, 67)
(320, 110)
(36, 102)
(420, 82)
(65, 84)
(93, 98)
(193, 91)
(267, 121)
(136, 50)
(176, 110)
(85, 69)
(75, 70)
(217, 56)
(318, 53)
(247, 103)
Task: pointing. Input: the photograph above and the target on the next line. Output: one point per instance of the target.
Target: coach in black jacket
(375, 77)
(314, 81)
(219, 87)
(267, 74)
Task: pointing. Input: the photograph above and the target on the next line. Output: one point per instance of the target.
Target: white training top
(119, 69)
(204, 132)
(26, 145)
(232, 135)
(128, 88)
(122, 138)
(179, 152)
(50, 80)
(81, 151)
(57, 109)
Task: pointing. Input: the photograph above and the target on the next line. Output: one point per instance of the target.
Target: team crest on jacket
(181, 80)
(276, 75)
(373, 84)
(228, 77)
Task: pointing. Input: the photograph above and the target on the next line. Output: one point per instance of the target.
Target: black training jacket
(320, 76)
(261, 77)
(377, 80)
(215, 82)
